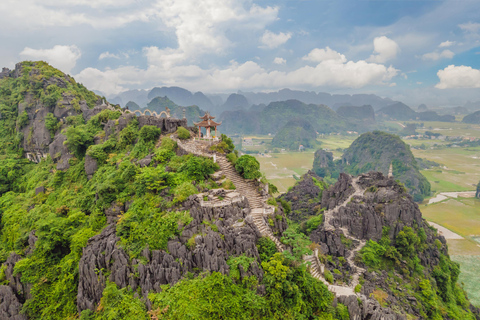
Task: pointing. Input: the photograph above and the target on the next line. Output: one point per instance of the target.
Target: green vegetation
(248, 167)
(274, 116)
(436, 300)
(183, 133)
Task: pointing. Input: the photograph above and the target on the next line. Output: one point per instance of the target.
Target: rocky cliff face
(382, 212)
(305, 197)
(200, 247)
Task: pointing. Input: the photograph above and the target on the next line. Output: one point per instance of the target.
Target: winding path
(317, 268)
(258, 208)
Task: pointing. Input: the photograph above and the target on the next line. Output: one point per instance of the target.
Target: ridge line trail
(257, 206)
(318, 268)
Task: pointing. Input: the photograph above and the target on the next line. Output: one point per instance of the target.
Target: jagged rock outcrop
(59, 152)
(366, 208)
(91, 166)
(305, 197)
(233, 235)
(10, 307)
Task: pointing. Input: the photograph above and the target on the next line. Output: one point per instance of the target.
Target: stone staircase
(258, 208)
(245, 187)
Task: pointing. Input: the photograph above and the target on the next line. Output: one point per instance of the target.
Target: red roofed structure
(207, 123)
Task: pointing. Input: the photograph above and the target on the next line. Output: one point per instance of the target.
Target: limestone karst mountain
(473, 118)
(296, 132)
(115, 215)
(375, 151)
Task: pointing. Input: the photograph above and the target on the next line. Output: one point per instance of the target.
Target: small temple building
(207, 123)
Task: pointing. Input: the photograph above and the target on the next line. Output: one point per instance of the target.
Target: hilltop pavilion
(207, 123)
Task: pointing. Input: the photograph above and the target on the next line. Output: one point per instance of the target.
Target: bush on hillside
(248, 167)
(183, 133)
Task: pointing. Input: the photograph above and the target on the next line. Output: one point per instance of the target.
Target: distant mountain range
(222, 102)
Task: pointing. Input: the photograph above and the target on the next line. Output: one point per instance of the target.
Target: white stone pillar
(214, 158)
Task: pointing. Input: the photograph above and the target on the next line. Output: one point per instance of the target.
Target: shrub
(358, 288)
(209, 296)
(120, 304)
(228, 185)
(380, 296)
(22, 119)
(272, 201)
(312, 224)
(287, 207)
(78, 140)
(232, 157)
(129, 134)
(198, 168)
(266, 248)
(183, 133)
(183, 191)
(248, 167)
(328, 276)
(149, 133)
(272, 189)
(52, 124)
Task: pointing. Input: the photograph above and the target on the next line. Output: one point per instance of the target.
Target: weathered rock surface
(9, 305)
(210, 252)
(59, 152)
(384, 205)
(90, 166)
(304, 197)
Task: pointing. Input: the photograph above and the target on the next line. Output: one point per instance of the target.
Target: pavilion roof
(207, 123)
(206, 116)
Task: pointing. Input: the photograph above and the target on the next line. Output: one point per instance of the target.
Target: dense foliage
(248, 167)
(436, 289)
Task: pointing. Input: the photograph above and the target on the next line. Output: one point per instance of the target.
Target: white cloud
(473, 27)
(61, 57)
(445, 54)
(106, 55)
(446, 44)
(272, 40)
(385, 49)
(319, 55)
(334, 73)
(200, 26)
(458, 77)
(279, 60)
(31, 14)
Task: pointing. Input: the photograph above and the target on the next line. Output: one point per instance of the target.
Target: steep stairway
(243, 186)
(258, 204)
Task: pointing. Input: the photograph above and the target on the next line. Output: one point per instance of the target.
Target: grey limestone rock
(304, 197)
(10, 307)
(59, 152)
(210, 252)
(91, 166)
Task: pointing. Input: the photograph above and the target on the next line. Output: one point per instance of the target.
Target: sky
(412, 51)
